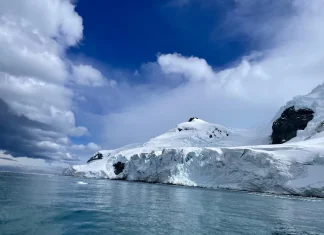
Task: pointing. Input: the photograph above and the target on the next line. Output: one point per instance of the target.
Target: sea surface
(46, 204)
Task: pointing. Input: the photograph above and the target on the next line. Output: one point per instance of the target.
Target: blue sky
(80, 76)
(125, 34)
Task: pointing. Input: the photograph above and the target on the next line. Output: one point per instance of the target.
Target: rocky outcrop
(192, 118)
(290, 121)
(119, 167)
(97, 156)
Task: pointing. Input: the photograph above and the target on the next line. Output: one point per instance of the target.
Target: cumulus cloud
(58, 19)
(192, 68)
(288, 35)
(31, 47)
(89, 76)
(37, 106)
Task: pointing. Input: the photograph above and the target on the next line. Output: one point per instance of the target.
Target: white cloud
(49, 145)
(33, 35)
(92, 147)
(78, 131)
(192, 68)
(88, 76)
(45, 20)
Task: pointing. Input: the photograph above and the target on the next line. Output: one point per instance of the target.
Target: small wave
(290, 197)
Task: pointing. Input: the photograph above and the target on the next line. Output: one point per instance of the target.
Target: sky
(80, 76)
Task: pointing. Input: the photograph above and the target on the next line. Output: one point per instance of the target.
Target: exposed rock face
(95, 157)
(290, 121)
(119, 167)
(192, 118)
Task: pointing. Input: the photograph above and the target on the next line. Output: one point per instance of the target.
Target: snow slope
(199, 133)
(198, 153)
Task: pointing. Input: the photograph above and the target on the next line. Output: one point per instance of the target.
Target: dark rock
(97, 156)
(290, 121)
(192, 118)
(210, 136)
(119, 167)
(179, 129)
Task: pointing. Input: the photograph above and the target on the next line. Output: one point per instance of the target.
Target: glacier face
(285, 169)
(198, 153)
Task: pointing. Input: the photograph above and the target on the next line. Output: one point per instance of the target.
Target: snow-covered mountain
(285, 157)
(199, 133)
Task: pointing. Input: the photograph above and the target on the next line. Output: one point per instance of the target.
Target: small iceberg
(81, 182)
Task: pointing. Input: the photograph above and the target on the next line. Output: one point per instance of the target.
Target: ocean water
(42, 204)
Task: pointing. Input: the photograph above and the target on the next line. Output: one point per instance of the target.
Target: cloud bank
(37, 80)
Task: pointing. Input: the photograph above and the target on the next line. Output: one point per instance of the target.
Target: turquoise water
(42, 204)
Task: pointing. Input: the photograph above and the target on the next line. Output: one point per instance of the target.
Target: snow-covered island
(284, 157)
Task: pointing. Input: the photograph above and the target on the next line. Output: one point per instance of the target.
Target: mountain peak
(192, 119)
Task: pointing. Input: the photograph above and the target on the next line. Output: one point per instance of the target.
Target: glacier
(202, 154)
